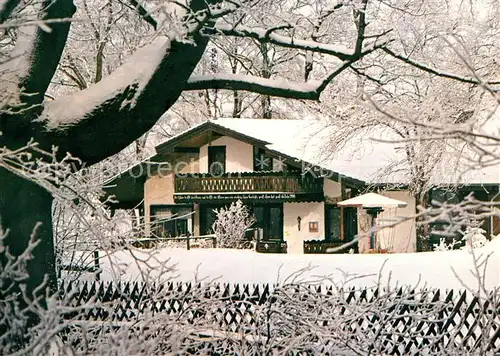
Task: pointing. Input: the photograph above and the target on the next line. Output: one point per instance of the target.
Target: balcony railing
(279, 182)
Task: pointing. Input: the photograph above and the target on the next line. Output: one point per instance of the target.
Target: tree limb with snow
(105, 117)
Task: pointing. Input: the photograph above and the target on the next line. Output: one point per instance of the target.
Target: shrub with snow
(474, 237)
(444, 246)
(231, 224)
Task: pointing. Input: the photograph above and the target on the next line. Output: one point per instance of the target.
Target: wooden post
(284, 177)
(187, 243)
(214, 241)
(256, 235)
(372, 234)
(373, 212)
(341, 223)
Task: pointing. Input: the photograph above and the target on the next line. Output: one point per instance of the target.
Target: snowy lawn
(430, 269)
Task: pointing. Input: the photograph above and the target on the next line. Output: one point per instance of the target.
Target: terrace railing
(271, 246)
(321, 246)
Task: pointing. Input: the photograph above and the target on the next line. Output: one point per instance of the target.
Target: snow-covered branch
(280, 88)
(38, 51)
(6, 8)
(126, 103)
(266, 36)
(435, 71)
(145, 15)
(273, 87)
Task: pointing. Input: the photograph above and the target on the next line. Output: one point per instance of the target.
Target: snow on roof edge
(192, 128)
(238, 131)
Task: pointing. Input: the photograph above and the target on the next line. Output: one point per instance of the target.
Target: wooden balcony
(286, 185)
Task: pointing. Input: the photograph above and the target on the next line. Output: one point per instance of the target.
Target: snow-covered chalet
(288, 175)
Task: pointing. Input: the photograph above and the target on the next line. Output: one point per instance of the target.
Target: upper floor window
(217, 160)
(262, 161)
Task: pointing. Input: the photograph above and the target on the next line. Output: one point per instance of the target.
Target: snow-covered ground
(431, 269)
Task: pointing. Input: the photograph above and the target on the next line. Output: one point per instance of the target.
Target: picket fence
(462, 320)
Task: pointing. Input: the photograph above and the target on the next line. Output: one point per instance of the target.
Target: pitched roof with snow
(309, 141)
(364, 159)
(369, 157)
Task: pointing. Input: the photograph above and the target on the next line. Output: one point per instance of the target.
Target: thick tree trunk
(237, 104)
(25, 210)
(423, 242)
(266, 73)
(23, 205)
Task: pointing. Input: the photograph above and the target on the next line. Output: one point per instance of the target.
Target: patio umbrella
(373, 204)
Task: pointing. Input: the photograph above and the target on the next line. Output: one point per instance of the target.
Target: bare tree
(422, 95)
(104, 118)
(40, 140)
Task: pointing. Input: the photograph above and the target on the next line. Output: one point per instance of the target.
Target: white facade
(332, 189)
(308, 213)
(239, 155)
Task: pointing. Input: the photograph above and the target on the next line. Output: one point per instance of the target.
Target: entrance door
(207, 218)
(276, 222)
(269, 218)
(332, 223)
(350, 223)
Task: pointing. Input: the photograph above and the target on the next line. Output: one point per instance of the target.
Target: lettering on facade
(195, 197)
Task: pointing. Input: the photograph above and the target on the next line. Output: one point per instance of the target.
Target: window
(261, 160)
(217, 160)
(278, 165)
(481, 195)
(439, 227)
(171, 221)
(207, 218)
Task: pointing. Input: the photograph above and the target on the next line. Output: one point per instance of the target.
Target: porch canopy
(373, 204)
(373, 200)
